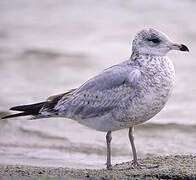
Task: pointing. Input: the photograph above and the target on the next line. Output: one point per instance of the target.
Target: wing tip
(4, 117)
(15, 115)
(13, 108)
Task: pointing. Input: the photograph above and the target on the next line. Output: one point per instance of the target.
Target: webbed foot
(144, 166)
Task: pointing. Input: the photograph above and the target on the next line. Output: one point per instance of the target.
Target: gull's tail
(40, 110)
(25, 110)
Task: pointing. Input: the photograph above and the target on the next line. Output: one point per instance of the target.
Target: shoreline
(170, 167)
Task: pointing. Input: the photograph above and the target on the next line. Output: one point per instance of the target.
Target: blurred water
(48, 47)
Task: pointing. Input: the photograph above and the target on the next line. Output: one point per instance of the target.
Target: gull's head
(152, 42)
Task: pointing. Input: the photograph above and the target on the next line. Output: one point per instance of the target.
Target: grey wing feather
(110, 78)
(100, 94)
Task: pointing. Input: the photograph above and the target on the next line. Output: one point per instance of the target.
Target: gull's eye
(154, 40)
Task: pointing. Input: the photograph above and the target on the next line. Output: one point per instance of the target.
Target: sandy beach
(170, 167)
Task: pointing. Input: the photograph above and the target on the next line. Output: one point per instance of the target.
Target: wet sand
(170, 167)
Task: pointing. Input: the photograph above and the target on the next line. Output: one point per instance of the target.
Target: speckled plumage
(122, 96)
(145, 84)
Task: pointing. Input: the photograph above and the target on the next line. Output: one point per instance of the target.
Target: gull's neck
(137, 59)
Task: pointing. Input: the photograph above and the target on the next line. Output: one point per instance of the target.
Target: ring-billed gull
(122, 96)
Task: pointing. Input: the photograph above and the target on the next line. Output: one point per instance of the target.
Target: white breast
(150, 96)
(153, 91)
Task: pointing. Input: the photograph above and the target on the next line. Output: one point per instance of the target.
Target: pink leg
(108, 141)
(131, 138)
(135, 161)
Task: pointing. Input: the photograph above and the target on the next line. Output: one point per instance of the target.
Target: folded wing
(100, 94)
